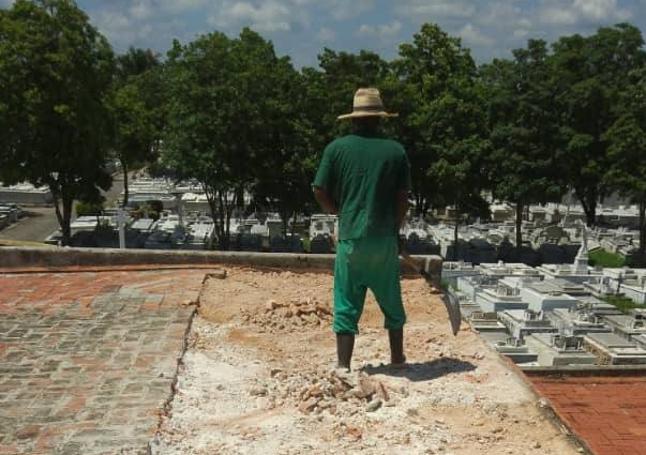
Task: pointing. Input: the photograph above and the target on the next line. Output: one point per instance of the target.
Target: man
(365, 179)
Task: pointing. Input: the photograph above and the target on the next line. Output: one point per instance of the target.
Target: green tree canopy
(227, 115)
(443, 121)
(589, 74)
(524, 130)
(627, 150)
(55, 71)
(135, 104)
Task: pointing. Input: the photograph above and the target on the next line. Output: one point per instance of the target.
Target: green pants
(361, 264)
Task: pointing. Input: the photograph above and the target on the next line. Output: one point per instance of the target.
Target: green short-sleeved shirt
(363, 174)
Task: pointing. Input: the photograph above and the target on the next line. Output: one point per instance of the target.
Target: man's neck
(367, 131)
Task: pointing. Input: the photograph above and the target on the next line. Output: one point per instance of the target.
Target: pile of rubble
(287, 316)
(336, 392)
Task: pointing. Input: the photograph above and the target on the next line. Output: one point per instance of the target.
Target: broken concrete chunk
(365, 388)
(271, 305)
(382, 392)
(373, 405)
(258, 391)
(308, 405)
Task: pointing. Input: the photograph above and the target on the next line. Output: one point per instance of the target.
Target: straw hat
(367, 103)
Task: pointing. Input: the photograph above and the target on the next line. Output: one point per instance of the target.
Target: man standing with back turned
(365, 179)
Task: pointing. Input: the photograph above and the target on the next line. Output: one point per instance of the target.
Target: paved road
(40, 222)
(36, 226)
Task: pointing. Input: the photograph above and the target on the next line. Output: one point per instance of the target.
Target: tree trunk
(126, 193)
(642, 228)
(589, 204)
(284, 214)
(215, 232)
(57, 209)
(519, 224)
(456, 256)
(419, 204)
(221, 223)
(67, 219)
(240, 197)
(210, 197)
(227, 225)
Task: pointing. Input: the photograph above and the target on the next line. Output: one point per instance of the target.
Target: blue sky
(301, 28)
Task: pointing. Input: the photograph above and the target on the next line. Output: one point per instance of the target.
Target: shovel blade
(452, 305)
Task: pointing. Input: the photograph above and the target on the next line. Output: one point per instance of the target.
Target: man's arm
(402, 208)
(325, 201)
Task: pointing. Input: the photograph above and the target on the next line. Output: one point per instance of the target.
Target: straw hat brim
(360, 114)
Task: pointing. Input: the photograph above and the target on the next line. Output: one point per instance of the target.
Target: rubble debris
(289, 316)
(373, 405)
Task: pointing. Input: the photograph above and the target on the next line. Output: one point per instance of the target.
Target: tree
(442, 123)
(283, 182)
(524, 131)
(135, 62)
(627, 150)
(55, 71)
(225, 115)
(589, 73)
(135, 102)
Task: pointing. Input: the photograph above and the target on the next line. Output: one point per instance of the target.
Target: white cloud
(600, 9)
(474, 37)
(554, 15)
(520, 33)
(347, 9)
(382, 32)
(269, 16)
(263, 16)
(6, 3)
(141, 9)
(326, 34)
(425, 10)
(180, 6)
(573, 12)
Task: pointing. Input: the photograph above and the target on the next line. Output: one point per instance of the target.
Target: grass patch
(623, 304)
(603, 258)
(306, 244)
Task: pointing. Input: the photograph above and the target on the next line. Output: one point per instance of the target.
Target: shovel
(450, 300)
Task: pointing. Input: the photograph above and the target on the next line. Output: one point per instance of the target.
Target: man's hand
(325, 201)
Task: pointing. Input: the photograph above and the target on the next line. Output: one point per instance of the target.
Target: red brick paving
(607, 412)
(87, 359)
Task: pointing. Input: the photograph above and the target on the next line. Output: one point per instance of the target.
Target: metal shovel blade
(452, 304)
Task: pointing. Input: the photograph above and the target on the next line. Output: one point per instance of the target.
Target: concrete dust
(259, 378)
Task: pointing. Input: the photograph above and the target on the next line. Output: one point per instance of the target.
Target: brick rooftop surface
(607, 412)
(88, 359)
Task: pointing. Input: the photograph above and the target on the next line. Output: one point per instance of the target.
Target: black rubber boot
(344, 348)
(396, 338)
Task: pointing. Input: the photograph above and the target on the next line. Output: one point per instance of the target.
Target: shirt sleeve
(325, 175)
(404, 178)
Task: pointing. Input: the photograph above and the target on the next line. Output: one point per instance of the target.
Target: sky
(302, 28)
